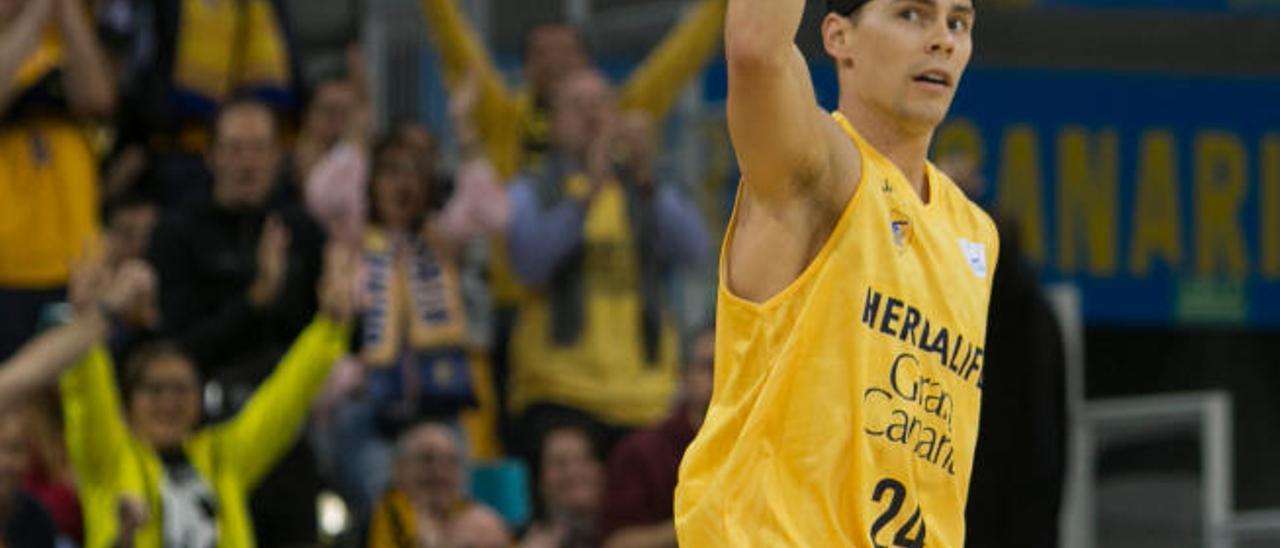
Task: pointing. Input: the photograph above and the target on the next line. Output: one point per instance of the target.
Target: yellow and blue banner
(1159, 195)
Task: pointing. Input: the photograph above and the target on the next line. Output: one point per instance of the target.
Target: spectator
(329, 165)
(148, 475)
(49, 478)
(52, 78)
(592, 234)
(414, 331)
(514, 126)
(23, 522)
(337, 109)
(331, 158)
(189, 59)
(237, 284)
(236, 276)
(1015, 494)
(570, 483)
(643, 469)
(100, 294)
(426, 507)
(131, 219)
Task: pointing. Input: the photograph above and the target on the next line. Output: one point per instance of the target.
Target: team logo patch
(976, 255)
(900, 227)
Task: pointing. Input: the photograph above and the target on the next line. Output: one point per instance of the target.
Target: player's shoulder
(844, 165)
(967, 215)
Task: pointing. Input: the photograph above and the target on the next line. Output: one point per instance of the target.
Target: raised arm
(779, 132)
(18, 40)
(96, 432)
(679, 58)
(540, 239)
(91, 89)
(94, 420)
(462, 53)
(264, 430)
(93, 290)
(40, 362)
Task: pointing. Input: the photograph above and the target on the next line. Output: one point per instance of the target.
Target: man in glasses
(855, 282)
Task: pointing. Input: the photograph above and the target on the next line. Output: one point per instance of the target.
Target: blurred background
(534, 356)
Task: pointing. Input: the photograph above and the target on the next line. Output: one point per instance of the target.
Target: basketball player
(854, 287)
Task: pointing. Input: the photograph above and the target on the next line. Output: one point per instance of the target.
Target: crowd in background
(225, 290)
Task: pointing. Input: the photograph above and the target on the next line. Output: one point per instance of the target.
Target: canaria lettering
(919, 415)
(1100, 203)
(895, 318)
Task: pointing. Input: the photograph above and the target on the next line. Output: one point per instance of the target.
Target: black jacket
(1015, 493)
(206, 259)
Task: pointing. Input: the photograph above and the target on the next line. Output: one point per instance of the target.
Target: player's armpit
(781, 136)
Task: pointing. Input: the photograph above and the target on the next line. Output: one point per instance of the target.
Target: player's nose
(941, 39)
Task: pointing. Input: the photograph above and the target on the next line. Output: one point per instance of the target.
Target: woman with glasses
(150, 476)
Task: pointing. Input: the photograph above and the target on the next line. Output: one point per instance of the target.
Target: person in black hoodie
(1015, 493)
(237, 284)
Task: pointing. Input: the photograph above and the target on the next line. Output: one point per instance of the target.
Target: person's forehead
(554, 34)
(336, 90)
(948, 5)
(432, 439)
(567, 440)
(398, 153)
(169, 367)
(416, 136)
(582, 86)
(587, 82)
(247, 119)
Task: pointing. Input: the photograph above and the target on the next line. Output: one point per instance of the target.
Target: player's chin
(927, 114)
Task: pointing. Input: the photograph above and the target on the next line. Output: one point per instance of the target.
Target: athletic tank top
(845, 408)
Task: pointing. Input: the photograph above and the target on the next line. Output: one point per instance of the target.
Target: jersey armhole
(813, 265)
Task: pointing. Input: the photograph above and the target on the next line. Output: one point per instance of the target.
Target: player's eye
(958, 24)
(909, 14)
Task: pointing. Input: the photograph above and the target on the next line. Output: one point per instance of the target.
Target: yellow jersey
(604, 373)
(48, 201)
(845, 408)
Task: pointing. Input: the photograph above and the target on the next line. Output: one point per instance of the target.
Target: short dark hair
(246, 103)
(545, 24)
(845, 7)
(136, 365)
(389, 141)
(329, 78)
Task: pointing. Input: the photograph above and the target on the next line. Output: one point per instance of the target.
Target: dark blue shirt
(28, 525)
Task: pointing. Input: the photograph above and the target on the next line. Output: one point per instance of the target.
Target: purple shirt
(540, 239)
(643, 469)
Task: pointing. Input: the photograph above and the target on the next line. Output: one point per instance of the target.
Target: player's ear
(837, 38)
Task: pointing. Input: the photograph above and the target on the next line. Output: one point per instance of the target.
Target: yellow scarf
(48, 56)
(414, 300)
(228, 45)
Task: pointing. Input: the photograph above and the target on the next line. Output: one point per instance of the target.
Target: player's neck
(907, 150)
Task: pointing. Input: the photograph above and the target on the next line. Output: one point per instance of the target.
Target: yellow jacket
(48, 186)
(231, 457)
(504, 117)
